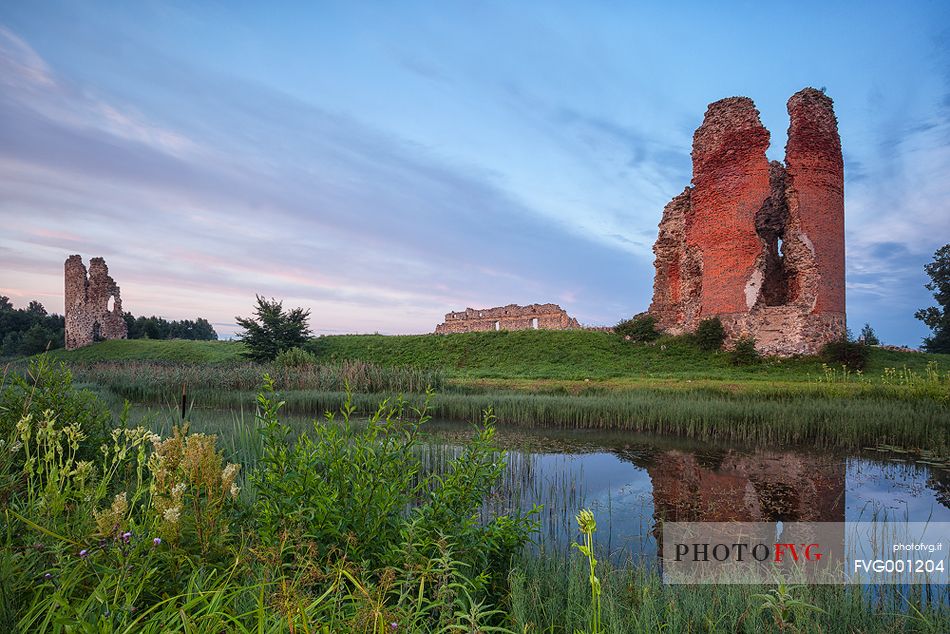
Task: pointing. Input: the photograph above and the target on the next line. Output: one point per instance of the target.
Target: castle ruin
(758, 244)
(93, 304)
(510, 317)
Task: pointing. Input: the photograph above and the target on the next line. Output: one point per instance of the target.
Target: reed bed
(157, 381)
(744, 418)
(549, 593)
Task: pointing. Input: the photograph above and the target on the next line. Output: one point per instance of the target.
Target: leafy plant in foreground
(588, 525)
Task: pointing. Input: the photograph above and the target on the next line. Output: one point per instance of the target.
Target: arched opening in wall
(110, 305)
(497, 325)
(534, 323)
(96, 335)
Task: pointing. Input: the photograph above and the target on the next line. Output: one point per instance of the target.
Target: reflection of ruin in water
(728, 486)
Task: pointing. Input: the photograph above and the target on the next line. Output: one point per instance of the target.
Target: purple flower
(83, 552)
(126, 537)
(394, 626)
(157, 541)
(48, 576)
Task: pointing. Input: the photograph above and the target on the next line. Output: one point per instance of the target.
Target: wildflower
(172, 514)
(126, 537)
(586, 522)
(83, 552)
(48, 576)
(157, 541)
(394, 626)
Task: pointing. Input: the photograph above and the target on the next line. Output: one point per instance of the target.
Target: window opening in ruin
(110, 306)
(497, 325)
(96, 335)
(534, 323)
(770, 223)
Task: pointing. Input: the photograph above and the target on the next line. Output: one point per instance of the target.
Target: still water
(632, 480)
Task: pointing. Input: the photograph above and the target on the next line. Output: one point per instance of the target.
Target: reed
(550, 593)
(748, 418)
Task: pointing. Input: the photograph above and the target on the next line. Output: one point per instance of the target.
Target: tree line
(31, 330)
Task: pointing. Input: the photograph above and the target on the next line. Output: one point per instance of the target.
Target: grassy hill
(564, 355)
(167, 350)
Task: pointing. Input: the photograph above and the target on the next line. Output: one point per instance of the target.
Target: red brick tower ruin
(758, 244)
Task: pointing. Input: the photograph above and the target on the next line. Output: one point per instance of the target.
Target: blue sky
(385, 163)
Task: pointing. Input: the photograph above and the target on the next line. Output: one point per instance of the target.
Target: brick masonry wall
(759, 244)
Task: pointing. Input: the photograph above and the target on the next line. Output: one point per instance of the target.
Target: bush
(294, 358)
(273, 329)
(851, 354)
(638, 328)
(744, 353)
(710, 334)
(363, 493)
(47, 391)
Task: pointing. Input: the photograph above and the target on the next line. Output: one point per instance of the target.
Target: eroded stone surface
(758, 244)
(89, 316)
(510, 317)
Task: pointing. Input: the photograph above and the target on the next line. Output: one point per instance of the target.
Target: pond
(631, 480)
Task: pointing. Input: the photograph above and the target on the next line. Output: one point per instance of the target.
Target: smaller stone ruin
(93, 304)
(510, 317)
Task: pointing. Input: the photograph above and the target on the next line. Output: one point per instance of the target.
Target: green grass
(550, 593)
(564, 355)
(579, 355)
(168, 350)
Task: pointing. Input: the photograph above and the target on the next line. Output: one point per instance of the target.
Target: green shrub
(638, 328)
(851, 354)
(294, 358)
(273, 329)
(48, 387)
(744, 353)
(362, 492)
(710, 334)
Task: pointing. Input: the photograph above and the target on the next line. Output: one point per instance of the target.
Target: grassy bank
(574, 379)
(561, 355)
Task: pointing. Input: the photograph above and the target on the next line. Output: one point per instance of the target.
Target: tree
(273, 330)
(937, 317)
(868, 336)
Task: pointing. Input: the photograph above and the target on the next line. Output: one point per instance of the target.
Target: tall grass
(153, 381)
(745, 418)
(550, 593)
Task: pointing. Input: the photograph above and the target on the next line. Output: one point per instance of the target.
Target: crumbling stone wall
(510, 317)
(758, 244)
(89, 317)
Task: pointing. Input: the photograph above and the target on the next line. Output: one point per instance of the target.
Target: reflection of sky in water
(897, 490)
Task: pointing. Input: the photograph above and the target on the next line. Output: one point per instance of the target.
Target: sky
(385, 163)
